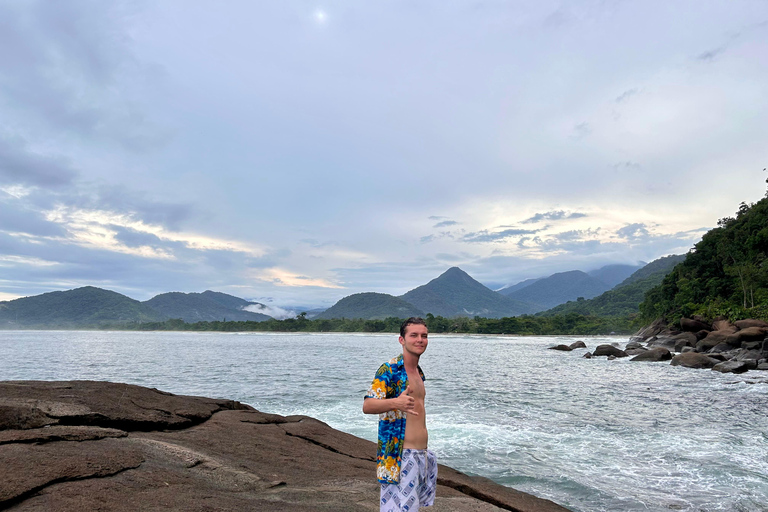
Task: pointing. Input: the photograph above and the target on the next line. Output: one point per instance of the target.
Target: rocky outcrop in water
(75, 446)
(729, 347)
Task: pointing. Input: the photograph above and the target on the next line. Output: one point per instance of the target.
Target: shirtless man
(406, 470)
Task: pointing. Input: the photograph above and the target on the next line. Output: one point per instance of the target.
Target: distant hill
(625, 298)
(455, 293)
(519, 286)
(203, 307)
(559, 288)
(82, 307)
(371, 306)
(614, 274)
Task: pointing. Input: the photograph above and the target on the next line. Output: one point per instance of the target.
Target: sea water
(589, 434)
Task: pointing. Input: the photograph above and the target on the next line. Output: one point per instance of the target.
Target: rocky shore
(82, 445)
(728, 347)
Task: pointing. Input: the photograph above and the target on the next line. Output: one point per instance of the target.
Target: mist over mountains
(452, 294)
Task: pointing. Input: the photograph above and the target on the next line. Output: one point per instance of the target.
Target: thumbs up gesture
(405, 402)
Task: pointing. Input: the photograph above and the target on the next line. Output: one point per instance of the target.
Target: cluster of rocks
(728, 347)
(80, 445)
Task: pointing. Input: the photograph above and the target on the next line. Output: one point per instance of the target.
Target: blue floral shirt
(390, 381)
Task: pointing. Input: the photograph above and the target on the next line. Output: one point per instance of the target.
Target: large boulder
(748, 334)
(577, 344)
(750, 322)
(721, 347)
(563, 348)
(650, 331)
(654, 354)
(731, 367)
(684, 339)
(223, 456)
(608, 350)
(693, 360)
(722, 324)
(691, 325)
(665, 341)
(712, 339)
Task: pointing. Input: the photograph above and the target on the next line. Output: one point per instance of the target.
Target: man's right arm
(404, 402)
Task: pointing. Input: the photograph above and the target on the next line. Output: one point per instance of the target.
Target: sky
(297, 152)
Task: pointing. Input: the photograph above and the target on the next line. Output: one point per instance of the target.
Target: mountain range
(454, 293)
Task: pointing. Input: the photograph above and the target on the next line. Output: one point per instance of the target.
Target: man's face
(415, 340)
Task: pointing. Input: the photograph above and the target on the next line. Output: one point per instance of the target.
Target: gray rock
(688, 349)
(731, 367)
(636, 351)
(667, 342)
(577, 344)
(633, 345)
(564, 348)
(609, 350)
(762, 367)
(721, 347)
(693, 360)
(588, 355)
(712, 340)
(655, 354)
(752, 355)
(717, 357)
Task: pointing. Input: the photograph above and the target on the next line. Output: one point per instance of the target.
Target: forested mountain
(371, 306)
(455, 293)
(82, 307)
(519, 286)
(199, 307)
(559, 288)
(726, 273)
(625, 298)
(612, 275)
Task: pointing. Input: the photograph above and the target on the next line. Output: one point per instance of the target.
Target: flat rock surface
(73, 446)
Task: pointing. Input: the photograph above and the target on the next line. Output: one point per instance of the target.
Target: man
(406, 470)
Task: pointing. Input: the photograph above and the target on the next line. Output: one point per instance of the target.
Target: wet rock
(731, 367)
(693, 360)
(577, 344)
(700, 335)
(688, 349)
(649, 331)
(667, 342)
(762, 367)
(750, 322)
(717, 357)
(748, 355)
(608, 350)
(636, 351)
(691, 325)
(654, 354)
(633, 345)
(564, 348)
(588, 355)
(722, 324)
(750, 334)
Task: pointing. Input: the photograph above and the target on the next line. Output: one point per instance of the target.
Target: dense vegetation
(725, 274)
(625, 299)
(562, 324)
(206, 306)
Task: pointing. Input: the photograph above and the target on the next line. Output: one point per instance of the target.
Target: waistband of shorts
(425, 451)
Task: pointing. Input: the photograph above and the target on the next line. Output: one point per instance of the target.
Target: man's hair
(414, 320)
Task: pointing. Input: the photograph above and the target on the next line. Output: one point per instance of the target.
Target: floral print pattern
(390, 381)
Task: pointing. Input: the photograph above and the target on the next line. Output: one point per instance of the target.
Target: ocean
(590, 434)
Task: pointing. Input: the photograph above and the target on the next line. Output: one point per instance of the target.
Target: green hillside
(726, 273)
(559, 288)
(371, 306)
(612, 275)
(203, 307)
(454, 293)
(82, 307)
(625, 299)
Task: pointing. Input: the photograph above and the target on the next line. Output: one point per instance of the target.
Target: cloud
(445, 223)
(282, 277)
(626, 95)
(497, 236)
(633, 231)
(19, 165)
(273, 311)
(553, 215)
(710, 55)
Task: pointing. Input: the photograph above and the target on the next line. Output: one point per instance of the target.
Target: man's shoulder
(391, 365)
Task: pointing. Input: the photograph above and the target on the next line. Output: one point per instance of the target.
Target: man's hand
(405, 402)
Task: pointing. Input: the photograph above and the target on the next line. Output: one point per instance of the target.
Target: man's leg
(428, 479)
(403, 496)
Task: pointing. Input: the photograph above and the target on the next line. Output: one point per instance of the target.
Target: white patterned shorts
(418, 480)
